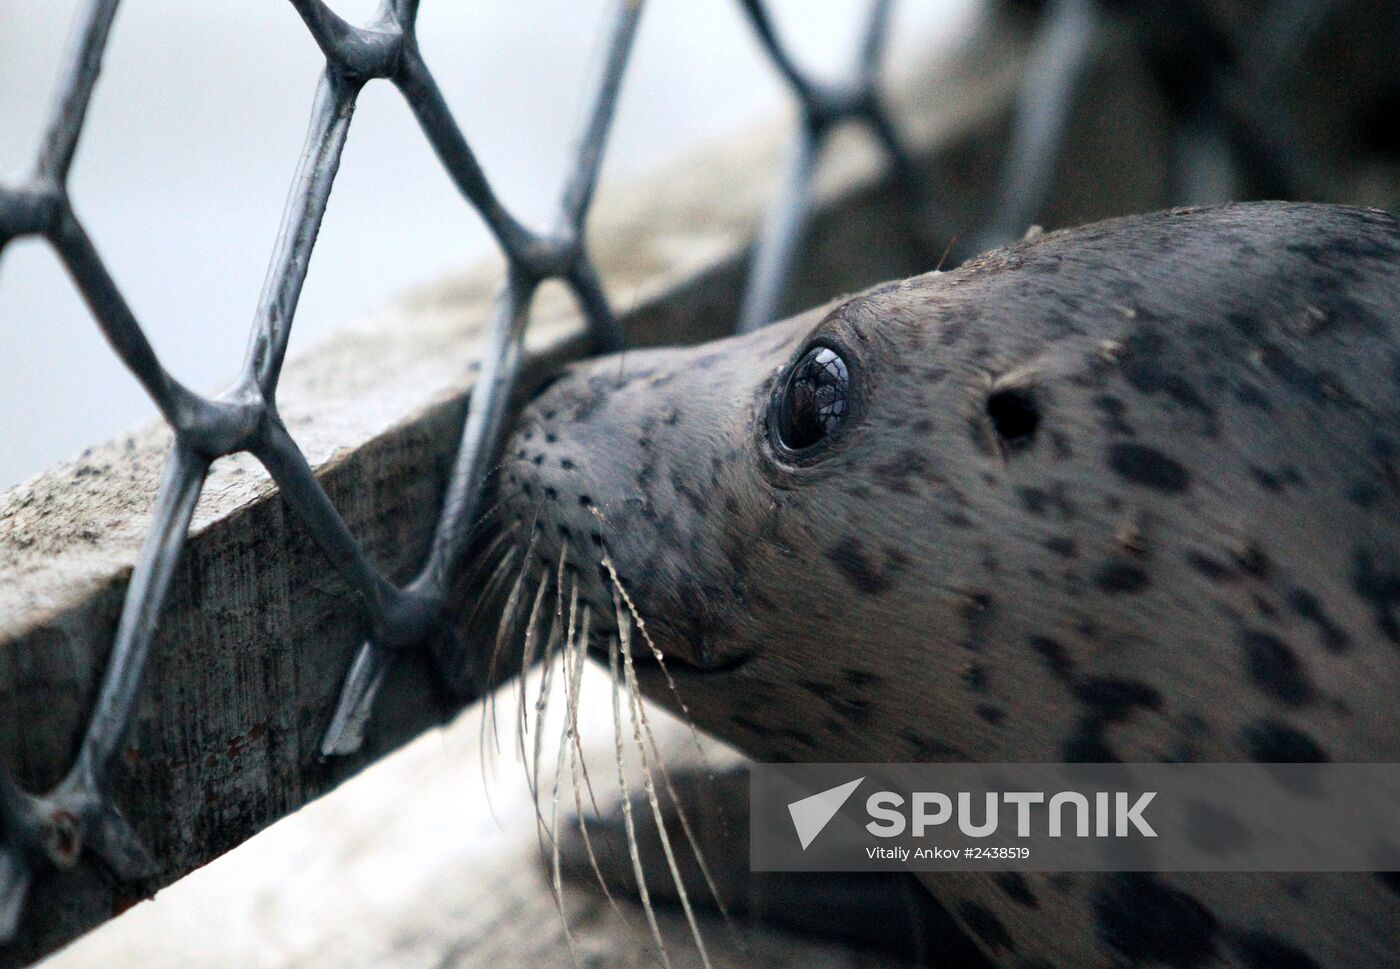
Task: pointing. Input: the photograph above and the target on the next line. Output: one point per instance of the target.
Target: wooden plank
(369, 877)
(257, 632)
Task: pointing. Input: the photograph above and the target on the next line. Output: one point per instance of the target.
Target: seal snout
(568, 491)
(615, 478)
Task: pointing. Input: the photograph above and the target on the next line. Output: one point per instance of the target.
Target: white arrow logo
(811, 814)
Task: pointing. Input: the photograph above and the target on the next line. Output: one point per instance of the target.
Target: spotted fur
(1188, 549)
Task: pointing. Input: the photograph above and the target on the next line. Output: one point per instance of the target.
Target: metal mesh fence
(54, 828)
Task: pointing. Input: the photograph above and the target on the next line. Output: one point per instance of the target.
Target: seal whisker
(486, 559)
(486, 514)
(623, 620)
(572, 670)
(527, 658)
(532, 642)
(627, 819)
(634, 695)
(490, 586)
(489, 591)
(660, 658)
(576, 658)
(579, 765)
(553, 647)
(509, 616)
(563, 652)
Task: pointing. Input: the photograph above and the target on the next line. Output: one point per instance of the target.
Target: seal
(1124, 492)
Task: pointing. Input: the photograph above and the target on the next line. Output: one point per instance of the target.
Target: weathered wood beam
(258, 632)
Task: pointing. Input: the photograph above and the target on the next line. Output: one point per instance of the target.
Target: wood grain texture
(257, 631)
(437, 880)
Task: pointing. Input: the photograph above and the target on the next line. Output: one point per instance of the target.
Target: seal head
(1126, 492)
(966, 514)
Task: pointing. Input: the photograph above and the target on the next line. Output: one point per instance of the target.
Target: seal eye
(814, 400)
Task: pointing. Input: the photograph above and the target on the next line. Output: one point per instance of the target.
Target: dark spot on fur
(1260, 951)
(1121, 578)
(1147, 921)
(1390, 879)
(854, 709)
(1109, 700)
(1149, 468)
(1055, 656)
(1305, 604)
(1364, 494)
(1252, 561)
(1274, 668)
(1063, 547)
(978, 613)
(1114, 698)
(1210, 568)
(1014, 886)
(1274, 742)
(895, 474)
(1252, 396)
(861, 678)
(850, 558)
(1057, 497)
(994, 715)
(1380, 589)
(695, 499)
(975, 677)
(1147, 374)
(1113, 409)
(987, 927)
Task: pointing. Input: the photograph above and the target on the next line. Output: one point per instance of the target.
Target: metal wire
(822, 109)
(56, 827)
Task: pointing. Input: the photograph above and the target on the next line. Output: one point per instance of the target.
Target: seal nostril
(1014, 414)
(597, 539)
(585, 501)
